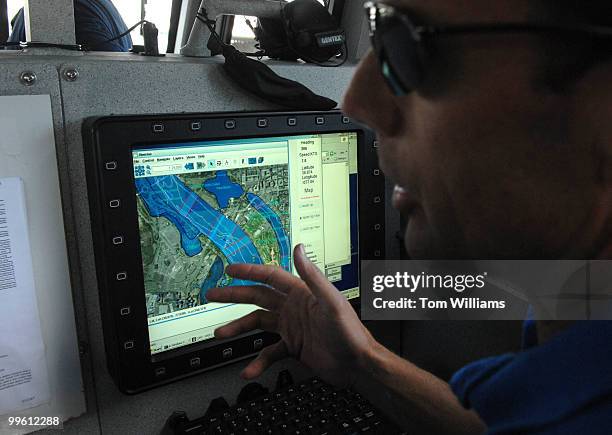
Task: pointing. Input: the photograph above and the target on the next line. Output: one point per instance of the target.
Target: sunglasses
(399, 43)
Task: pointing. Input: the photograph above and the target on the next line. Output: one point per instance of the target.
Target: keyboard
(308, 407)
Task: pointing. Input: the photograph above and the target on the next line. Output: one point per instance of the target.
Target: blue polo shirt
(96, 21)
(563, 386)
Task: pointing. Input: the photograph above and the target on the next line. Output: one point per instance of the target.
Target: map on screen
(204, 206)
(222, 217)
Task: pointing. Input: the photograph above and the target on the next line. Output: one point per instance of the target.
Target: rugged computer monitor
(175, 199)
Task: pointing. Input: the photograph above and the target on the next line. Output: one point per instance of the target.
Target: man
(97, 22)
(500, 143)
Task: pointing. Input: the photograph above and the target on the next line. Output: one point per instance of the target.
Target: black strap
(259, 79)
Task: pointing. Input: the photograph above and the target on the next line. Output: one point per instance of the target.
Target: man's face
(486, 163)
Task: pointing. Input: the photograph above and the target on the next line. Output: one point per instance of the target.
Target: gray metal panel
(47, 83)
(138, 85)
(130, 84)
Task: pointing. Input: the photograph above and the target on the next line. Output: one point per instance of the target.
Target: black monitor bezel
(108, 145)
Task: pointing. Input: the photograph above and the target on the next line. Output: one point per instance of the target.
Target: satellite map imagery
(193, 225)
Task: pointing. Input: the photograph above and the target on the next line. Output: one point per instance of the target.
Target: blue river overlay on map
(214, 275)
(169, 197)
(223, 188)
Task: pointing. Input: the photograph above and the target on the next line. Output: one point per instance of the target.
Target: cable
(10, 44)
(258, 54)
(203, 17)
(75, 47)
(248, 23)
(127, 32)
(24, 45)
(114, 38)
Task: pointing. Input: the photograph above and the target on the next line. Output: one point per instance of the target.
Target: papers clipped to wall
(39, 360)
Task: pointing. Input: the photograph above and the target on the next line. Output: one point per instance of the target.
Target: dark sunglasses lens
(401, 55)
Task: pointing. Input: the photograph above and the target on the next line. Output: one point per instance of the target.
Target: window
(243, 37)
(156, 11)
(13, 7)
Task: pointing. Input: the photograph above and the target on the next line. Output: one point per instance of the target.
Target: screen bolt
(28, 78)
(71, 75)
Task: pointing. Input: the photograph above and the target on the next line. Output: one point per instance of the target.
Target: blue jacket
(96, 21)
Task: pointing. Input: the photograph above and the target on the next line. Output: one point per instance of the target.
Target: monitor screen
(205, 205)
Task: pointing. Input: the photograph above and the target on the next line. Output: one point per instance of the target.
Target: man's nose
(370, 101)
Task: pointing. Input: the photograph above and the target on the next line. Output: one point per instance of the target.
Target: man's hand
(316, 323)
(319, 327)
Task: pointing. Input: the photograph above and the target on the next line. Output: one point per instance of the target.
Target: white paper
(28, 151)
(23, 371)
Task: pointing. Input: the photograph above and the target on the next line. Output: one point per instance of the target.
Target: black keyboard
(308, 407)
